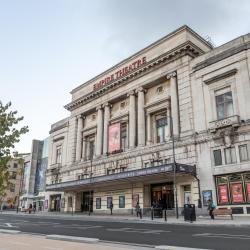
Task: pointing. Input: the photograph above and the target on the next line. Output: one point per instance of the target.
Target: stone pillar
(149, 129)
(79, 138)
(141, 118)
(99, 133)
(84, 144)
(174, 103)
(132, 119)
(106, 127)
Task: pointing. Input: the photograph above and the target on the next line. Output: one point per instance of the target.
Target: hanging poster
(207, 195)
(237, 193)
(114, 137)
(223, 194)
(248, 192)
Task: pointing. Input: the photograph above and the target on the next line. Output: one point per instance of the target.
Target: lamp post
(174, 166)
(90, 185)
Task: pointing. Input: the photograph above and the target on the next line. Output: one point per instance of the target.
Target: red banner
(237, 193)
(223, 194)
(248, 192)
(114, 137)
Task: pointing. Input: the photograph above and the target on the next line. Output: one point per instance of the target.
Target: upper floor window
(15, 165)
(91, 149)
(230, 155)
(12, 187)
(123, 136)
(243, 152)
(217, 157)
(161, 129)
(59, 155)
(13, 175)
(224, 105)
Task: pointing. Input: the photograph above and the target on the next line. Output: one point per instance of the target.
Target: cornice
(187, 48)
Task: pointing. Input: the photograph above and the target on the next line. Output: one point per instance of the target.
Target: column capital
(171, 75)
(141, 89)
(131, 92)
(99, 107)
(106, 104)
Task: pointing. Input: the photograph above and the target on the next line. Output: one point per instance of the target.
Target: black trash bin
(187, 212)
(192, 212)
(157, 213)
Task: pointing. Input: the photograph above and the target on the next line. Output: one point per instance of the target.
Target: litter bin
(189, 212)
(157, 213)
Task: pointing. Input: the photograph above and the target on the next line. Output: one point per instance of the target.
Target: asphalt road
(206, 237)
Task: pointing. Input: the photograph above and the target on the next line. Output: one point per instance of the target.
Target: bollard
(165, 214)
(152, 213)
(140, 214)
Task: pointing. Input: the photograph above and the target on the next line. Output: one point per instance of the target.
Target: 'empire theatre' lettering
(120, 73)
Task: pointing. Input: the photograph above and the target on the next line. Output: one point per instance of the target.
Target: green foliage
(9, 135)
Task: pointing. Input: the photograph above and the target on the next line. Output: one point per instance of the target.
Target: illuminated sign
(120, 73)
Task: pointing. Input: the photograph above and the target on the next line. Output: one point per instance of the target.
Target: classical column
(79, 138)
(99, 133)
(84, 144)
(174, 103)
(132, 119)
(106, 127)
(141, 117)
(149, 129)
(168, 135)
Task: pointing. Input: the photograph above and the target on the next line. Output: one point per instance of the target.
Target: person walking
(111, 207)
(211, 208)
(30, 208)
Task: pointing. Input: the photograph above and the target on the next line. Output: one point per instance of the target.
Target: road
(206, 237)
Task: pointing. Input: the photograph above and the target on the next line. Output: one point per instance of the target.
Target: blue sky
(49, 47)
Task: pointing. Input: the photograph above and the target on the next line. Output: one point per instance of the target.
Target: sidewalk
(200, 220)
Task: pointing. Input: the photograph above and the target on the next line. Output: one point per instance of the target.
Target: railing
(221, 123)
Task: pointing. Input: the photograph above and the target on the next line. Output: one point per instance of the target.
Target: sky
(49, 47)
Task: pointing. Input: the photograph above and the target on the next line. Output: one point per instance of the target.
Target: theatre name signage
(120, 73)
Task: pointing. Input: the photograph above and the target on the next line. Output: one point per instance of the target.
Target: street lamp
(174, 166)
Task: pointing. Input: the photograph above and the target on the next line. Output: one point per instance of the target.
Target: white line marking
(226, 236)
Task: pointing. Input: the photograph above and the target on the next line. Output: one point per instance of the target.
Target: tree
(9, 136)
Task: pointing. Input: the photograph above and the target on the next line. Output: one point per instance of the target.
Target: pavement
(238, 220)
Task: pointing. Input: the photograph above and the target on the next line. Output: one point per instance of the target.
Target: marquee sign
(120, 73)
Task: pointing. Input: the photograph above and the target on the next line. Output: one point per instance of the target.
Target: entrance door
(162, 195)
(87, 202)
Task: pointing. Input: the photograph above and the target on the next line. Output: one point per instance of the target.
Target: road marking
(84, 227)
(226, 236)
(9, 225)
(136, 230)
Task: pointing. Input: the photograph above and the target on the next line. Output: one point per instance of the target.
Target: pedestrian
(211, 208)
(138, 209)
(34, 207)
(111, 207)
(30, 208)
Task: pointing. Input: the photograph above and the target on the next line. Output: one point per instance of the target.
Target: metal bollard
(140, 214)
(152, 213)
(165, 214)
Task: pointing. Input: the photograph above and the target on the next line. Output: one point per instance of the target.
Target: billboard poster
(237, 193)
(248, 192)
(135, 199)
(223, 194)
(207, 195)
(114, 137)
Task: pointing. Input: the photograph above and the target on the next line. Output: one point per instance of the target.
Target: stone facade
(121, 120)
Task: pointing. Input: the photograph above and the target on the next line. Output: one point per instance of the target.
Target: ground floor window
(121, 201)
(233, 188)
(98, 203)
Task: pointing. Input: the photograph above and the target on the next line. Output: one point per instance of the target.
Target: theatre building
(167, 126)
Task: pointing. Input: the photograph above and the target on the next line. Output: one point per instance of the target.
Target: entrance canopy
(133, 175)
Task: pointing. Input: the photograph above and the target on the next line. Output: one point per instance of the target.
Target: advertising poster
(114, 137)
(207, 195)
(248, 191)
(135, 199)
(223, 194)
(237, 193)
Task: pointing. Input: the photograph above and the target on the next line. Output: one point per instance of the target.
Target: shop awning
(133, 175)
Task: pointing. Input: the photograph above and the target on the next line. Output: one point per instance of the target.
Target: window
(12, 187)
(98, 203)
(147, 164)
(124, 136)
(91, 149)
(230, 155)
(121, 201)
(217, 157)
(15, 165)
(243, 152)
(13, 175)
(224, 105)
(59, 155)
(161, 126)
